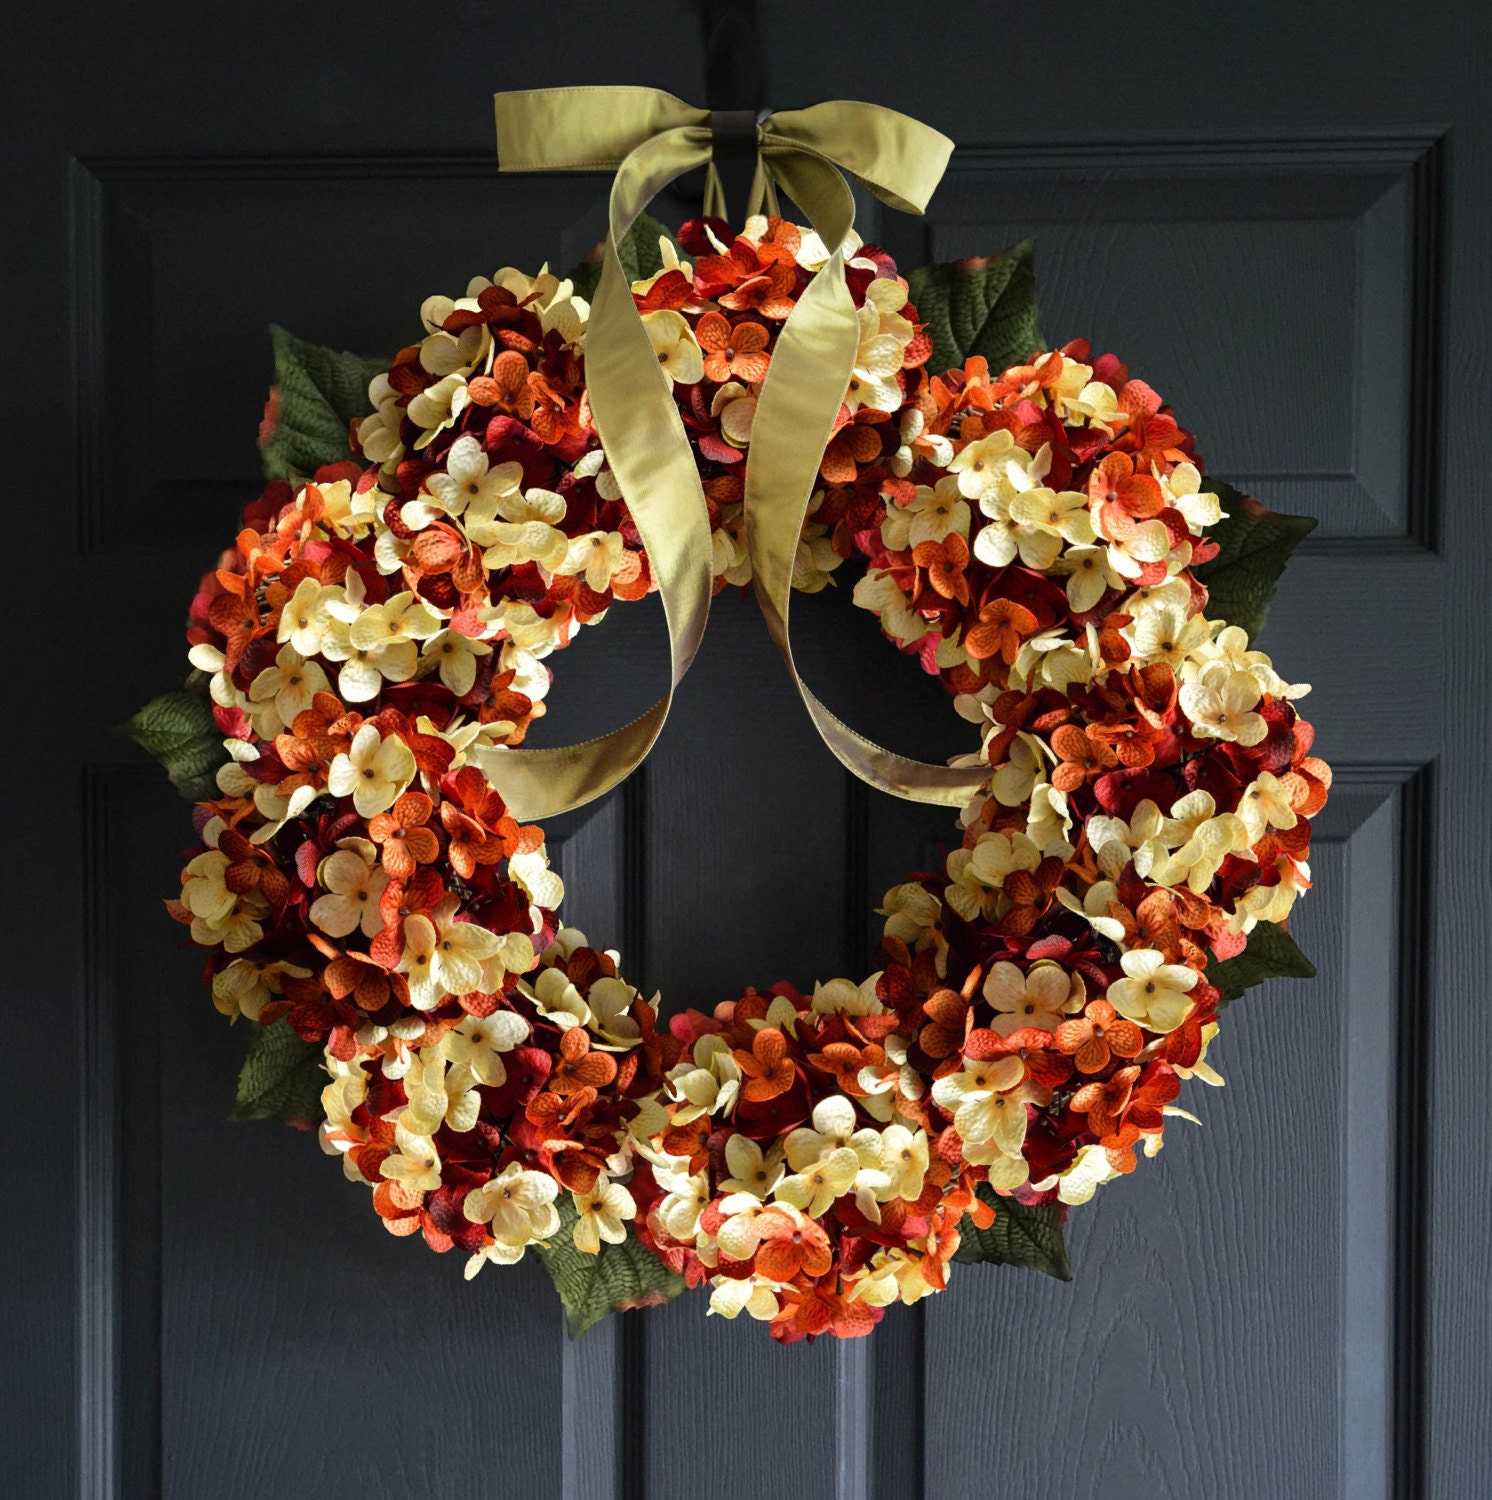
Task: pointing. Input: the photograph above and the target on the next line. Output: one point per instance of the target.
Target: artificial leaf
(1026, 1235)
(638, 252)
(1271, 954)
(282, 1077)
(615, 1279)
(1254, 544)
(986, 305)
(320, 392)
(178, 729)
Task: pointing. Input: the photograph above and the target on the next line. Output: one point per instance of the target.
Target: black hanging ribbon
(735, 89)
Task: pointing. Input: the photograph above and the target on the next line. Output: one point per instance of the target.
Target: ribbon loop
(650, 138)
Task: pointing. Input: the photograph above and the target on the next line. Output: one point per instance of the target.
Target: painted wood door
(1278, 215)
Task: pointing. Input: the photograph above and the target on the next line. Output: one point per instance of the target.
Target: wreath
(1034, 528)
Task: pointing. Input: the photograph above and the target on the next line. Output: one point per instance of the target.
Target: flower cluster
(361, 878)
(378, 635)
(1030, 538)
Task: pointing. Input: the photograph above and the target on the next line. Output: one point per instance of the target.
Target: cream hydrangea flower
(530, 869)
(888, 295)
(454, 656)
(983, 1108)
(685, 1198)
(518, 528)
(892, 1275)
(1077, 397)
(735, 407)
(1114, 841)
(379, 644)
(565, 313)
(878, 592)
(437, 407)
(915, 440)
(556, 999)
(602, 1213)
(740, 1231)
(751, 1170)
(599, 556)
(1061, 515)
(931, 515)
(1142, 543)
(354, 886)
(1094, 908)
(277, 803)
(415, 1164)
(669, 260)
(204, 888)
(977, 875)
(845, 997)
(1090, 575)
(443, 353)
(1089, 1170)
(1042, 997)
(437, 1095)
(706, 1085)
(1271, 903)
(468, 480)
(477, 1043)
(1183, 486)
(443, 956)
(733, 1295)
(517, 1206)
(679, 356)
(401, 620)
(878, 357)
(373, 771)
(610, 1000)
(834, 1129)
(378, 434)
(1230, 644)
(1220, 703)
(305, 615)
(911, 912)
(814, 560)
(1153, 993)
(1197, 860)
(1165, 633)
(244, 987)
(337, 1134)
(904, 1160)
(1265, 804)
(982, 466)
(288, 687)
(813, 1189)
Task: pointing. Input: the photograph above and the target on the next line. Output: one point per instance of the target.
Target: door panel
(1277, 220)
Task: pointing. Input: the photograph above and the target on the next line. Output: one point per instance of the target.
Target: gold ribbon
(651, 138)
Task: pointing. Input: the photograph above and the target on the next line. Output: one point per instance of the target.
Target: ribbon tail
(650, 455)
(796, 412)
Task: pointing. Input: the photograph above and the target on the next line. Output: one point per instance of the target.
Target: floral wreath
(1034, 528)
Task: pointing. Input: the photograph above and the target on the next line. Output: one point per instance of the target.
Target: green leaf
(281, 1079)
(1255, 544)
(619, 1277)
(986, 305)
(178, 729)
(638, 253)
(1271, 954)
(1022, 1235)
(321, 391)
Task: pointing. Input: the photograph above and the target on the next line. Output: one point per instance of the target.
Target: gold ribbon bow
(651, 138)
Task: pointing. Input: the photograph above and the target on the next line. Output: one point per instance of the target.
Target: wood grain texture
(1296, 256)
